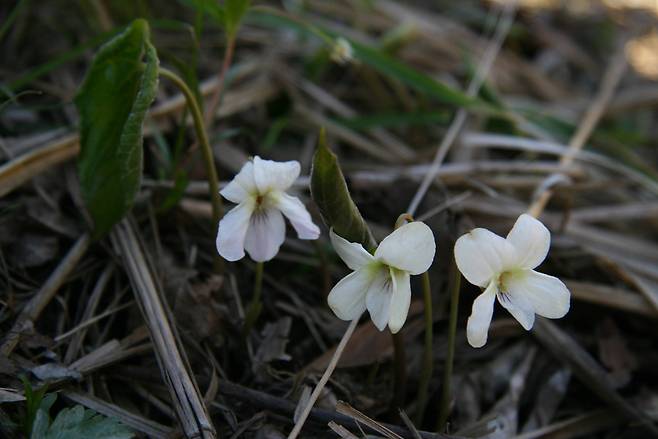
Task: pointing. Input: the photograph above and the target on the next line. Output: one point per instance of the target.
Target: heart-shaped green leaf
(331, 195)
(113, 100)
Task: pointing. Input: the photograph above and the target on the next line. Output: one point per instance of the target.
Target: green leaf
(394, 120)
(331, 195)
(33, 401)
(42, 419)
(413, 78)
(234, 10)
(78, 423)
(113, 101)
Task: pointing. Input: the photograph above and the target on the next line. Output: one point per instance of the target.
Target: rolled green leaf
(113, 101)
(331, 195)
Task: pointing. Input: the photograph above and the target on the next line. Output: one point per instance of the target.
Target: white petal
(271, 175)
(266, 233)
(477, 327)
(378, 298)
(548, 296)
(519, 306)
(481, 255)
(352, 253)
(347, 299)
(296, 212)
(242, 186)
(531, 239)
(400, 301)
(410, 248)
(232, 230)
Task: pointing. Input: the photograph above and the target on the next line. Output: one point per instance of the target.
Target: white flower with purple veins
(256, 223)
(504, 268)
(381, 283)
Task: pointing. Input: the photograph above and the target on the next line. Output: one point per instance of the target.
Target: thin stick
(611, 78)
(208, 157)
(323, 380)
(217, 96)
(444, 407)
(428, 355)
(502, 29)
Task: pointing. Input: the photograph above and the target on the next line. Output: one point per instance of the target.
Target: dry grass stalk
(185, 395)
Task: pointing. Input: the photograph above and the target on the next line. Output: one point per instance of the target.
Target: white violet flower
(381, 282)
(256, 223)
(504, 268)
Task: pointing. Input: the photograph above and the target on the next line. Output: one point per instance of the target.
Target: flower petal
(410, 248)
(519, 306)
(477, 327)
(296, 212)
(378, 298)
(352, 253)
(271, 175)
(242, 186)
(481, 255)
(232, 230)
(531, 239)
(400, 301)
(548, 296)
(347, 299)
(266, 233)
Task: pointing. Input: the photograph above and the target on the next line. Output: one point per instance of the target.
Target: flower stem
(256, 305)
(323, 380)
(455, 285)
(199, 127)
(400, 371)
(428, 355)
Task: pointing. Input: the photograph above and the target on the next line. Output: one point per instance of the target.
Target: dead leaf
(54, 371)
(368, 345)
(273, 344)
(614, 354)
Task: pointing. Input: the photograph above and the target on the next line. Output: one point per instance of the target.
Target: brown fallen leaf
(368, 345)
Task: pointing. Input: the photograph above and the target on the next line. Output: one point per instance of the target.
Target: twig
(504, 24)
(185, 394)
(39, 301)
(217, 96)
(353, 413)
(277, 404)
(323, 380)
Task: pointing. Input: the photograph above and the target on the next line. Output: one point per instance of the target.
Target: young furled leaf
(331, 195)
(113, 100)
